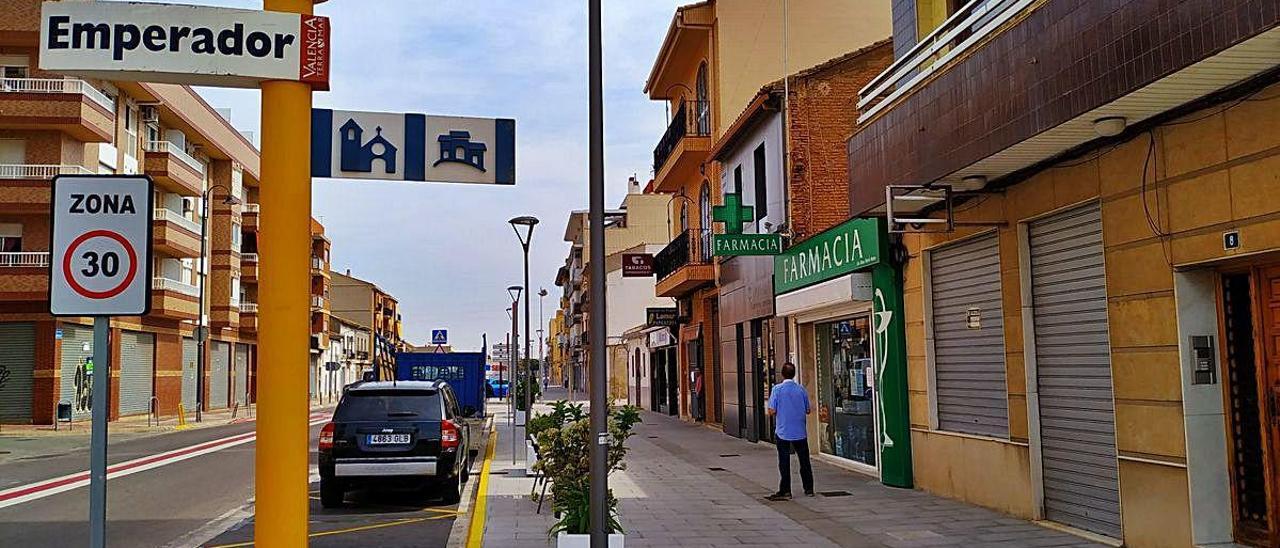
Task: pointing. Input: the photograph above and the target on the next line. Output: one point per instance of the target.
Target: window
(235, 236)
(13, 151)
(702, 111)
(762, 188)
(11, 71)
(704, 213)
(131, 131)
(737, 180)
(235, 290)
(10, 237)
(684, 217)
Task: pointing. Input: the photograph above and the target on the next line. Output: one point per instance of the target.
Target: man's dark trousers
(801, 448)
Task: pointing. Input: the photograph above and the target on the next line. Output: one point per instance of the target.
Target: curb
(469, 533)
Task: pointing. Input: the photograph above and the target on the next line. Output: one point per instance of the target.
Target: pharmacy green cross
(733, 214)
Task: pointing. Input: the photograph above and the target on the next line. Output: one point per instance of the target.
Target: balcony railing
(17, 259)
(160, 283)
(39, 171)
(248, 308)
(972, 23)
(689, 248)
(683, 124)
(57, 85)
(249, 257)
(177, 152)
(251, 208)
(169, 215)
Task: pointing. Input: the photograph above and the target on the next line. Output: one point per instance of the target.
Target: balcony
(248, 268)
(174, 299)
(24, 188)
(319, 267)
(249, 217)
(173, 169)
(318, 303)
(685, 264)
(174, 234)
(978, 99)
(684, 146)
(24, 276)
(248, 316)
(67, 105)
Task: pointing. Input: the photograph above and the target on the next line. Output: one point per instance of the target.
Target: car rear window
(388, 405)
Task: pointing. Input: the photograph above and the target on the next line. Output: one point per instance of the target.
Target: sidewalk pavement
(19, 442)
(688, 485)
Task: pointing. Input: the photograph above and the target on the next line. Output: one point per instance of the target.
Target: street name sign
(181, 44)
(101, 254)
(732, 245)
(412, 147)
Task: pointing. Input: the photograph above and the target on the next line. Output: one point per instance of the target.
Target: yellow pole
(285, 308)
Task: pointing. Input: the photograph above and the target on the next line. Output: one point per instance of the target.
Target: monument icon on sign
(456, 146)
(359, 157)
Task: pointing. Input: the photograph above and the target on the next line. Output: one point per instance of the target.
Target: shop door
(657, 384)
(745, 429)
(761, 384)
(76, 384)
(220, 358)
(1073, 371)
(190, 383)
(137, 360)
(17, 371)
(242, 373)
(846, 395)
(673, 381)
(696, 405)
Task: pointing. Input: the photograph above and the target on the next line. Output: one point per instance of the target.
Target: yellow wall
(749, 42)
(1212, 171)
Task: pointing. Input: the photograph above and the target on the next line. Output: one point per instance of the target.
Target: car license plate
(388, 439)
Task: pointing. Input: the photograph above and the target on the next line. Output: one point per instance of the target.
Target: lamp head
(525, 220)
(515, 292)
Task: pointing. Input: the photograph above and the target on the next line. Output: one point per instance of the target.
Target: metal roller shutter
(137, 360)
(969, 365)
(74, 384)
(17, 371)
(1073, 371)
(242, 373)
(220, 357)
(190, 383)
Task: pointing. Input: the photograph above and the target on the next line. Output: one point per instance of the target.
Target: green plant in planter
(540, 423)
(566, 459)
(518, 392)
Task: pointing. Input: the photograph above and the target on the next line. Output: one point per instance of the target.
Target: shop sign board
(734, 245)
(851, 246)
(661, 317)
(101, 246)
(183, 44)
(637, 265)
(397, 146)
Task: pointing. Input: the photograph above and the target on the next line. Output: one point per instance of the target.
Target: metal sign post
(101, 267)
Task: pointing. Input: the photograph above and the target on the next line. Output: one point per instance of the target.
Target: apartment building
(713, 61)
(638, 224)
(343, 361)
(366, 305)
(1094, 345)
(51, 125)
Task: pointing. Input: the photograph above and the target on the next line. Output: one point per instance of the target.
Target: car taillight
(326, 437)
(448, 434)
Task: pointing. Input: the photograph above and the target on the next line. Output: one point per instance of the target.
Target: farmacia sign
(181, 44)
(851, 246)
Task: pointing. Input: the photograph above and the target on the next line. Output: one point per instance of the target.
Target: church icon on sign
(358, 157)
(456, 146)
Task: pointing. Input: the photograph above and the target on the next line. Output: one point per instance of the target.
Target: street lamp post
(514, 353)
(201, 336)
(528, 222)
(599, 471)
(542, 349)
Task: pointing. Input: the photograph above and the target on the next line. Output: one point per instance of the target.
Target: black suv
(403, 433)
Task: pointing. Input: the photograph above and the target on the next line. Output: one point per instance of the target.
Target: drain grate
(716, 469)
(498, 472)
(652, 437)
(726, 455)
(835, 493)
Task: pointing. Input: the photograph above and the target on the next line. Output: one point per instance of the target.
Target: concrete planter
(564, 540)
(530, 459)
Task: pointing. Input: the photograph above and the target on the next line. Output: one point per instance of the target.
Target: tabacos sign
(181, 44)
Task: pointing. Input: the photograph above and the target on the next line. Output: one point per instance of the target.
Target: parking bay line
(357, 529)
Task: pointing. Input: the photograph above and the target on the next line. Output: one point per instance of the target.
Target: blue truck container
(464, 371)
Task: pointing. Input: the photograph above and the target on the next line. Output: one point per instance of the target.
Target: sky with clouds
(446, 251)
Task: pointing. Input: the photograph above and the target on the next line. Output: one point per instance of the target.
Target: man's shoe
(809, 494)
(778, 497)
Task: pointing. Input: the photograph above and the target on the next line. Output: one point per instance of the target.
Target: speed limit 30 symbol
(100, 252)
(101, 246)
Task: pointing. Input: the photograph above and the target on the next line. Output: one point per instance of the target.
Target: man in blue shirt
(789, 404)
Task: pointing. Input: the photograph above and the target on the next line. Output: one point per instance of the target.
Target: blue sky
(446, 251)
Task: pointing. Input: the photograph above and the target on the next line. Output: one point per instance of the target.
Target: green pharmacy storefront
(841, 299)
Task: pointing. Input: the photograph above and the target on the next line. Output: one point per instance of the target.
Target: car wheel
(451, 490)
(331, 493)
